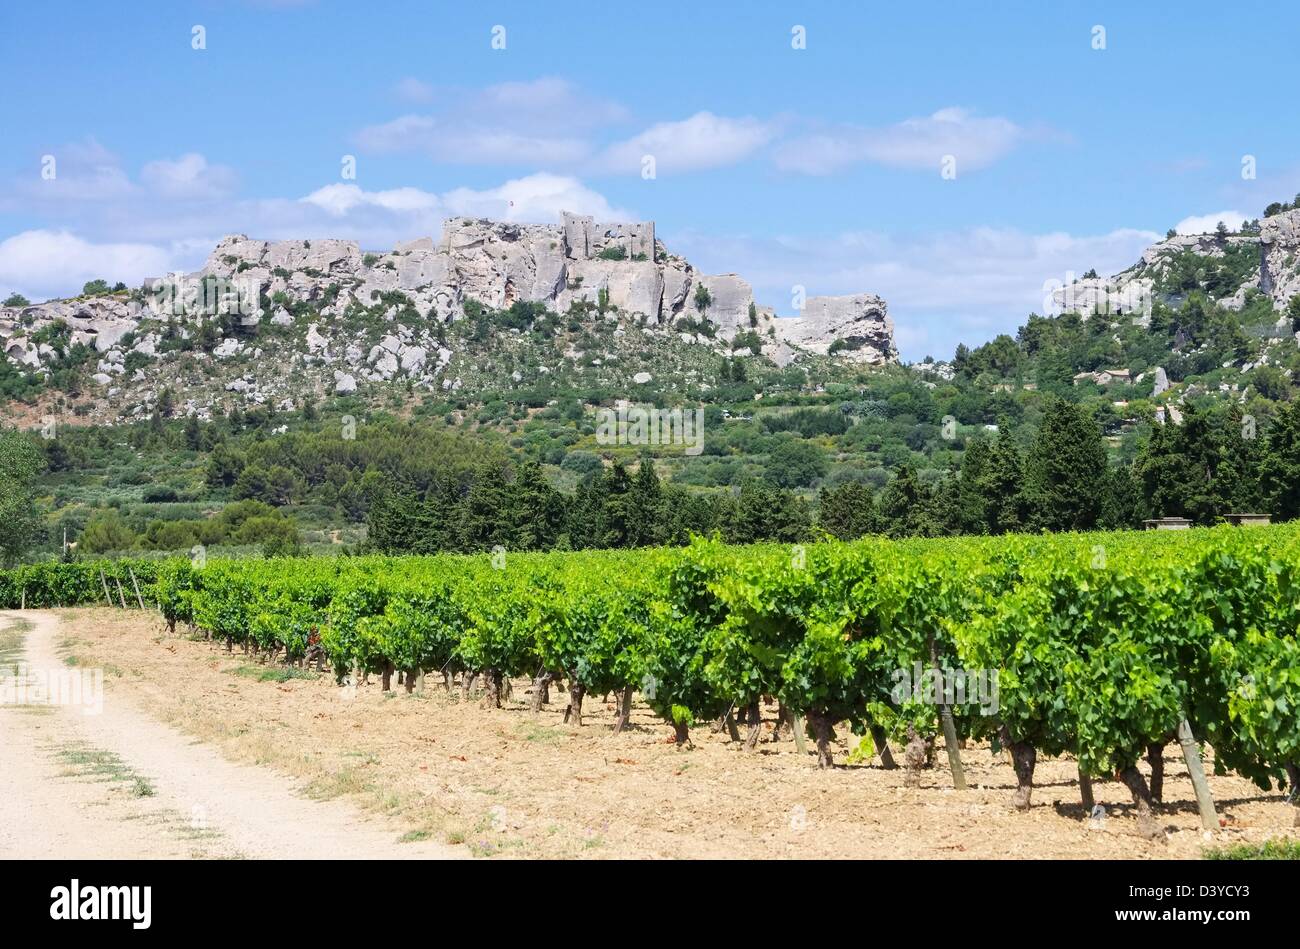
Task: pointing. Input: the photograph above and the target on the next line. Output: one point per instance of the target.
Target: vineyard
(1105, 647)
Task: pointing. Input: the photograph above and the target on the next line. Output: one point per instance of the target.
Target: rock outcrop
(1279, 242)
(857, 326)
(601, 268)
(1131, 291)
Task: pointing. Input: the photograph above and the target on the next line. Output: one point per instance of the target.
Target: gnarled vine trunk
(573, 714)
(681, 734)
(1293, 776)
(1085, 792)
(819, 723)
(913, 758)
(1156, 759)
(1137, 787)
(879, 739)
(624, 710)
(540, 683)
(754, 716)
(492, 685)
(1024, 757)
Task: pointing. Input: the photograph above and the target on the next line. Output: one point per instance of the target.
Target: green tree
(106, 531)
(1002, 486)
(1066, 470)
(1280, 466)
(846, 512)
(645, 506)
(703, 299)
(796, 463)
(904, 509)
(20, 463)
(16, 299)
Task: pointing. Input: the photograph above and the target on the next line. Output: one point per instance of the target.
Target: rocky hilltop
(1265, 262)
(372, 317)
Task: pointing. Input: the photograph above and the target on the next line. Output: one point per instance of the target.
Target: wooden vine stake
(102, 579)
(1196, 769)
(120, 595)
(949, 726)
(136, 585)
(796, 729)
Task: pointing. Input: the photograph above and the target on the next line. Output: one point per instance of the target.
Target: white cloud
(338, 199)
(414, 90)
(542, 122)
(189, 176)
(702, 141)
(144, 236)
(540, 197)
(82, 172)
(1207, 223)
(974, 141)
(41, 264)
(942, 288)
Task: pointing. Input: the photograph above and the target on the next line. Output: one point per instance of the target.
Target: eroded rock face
(857, 326)
(1133, 290)
(619, 269)
(1279, 241)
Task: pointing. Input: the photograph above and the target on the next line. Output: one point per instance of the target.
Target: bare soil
(118, 783)
(456, 777)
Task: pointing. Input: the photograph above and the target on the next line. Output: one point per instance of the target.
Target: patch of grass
(337, 784)
(491, 848)
(96, 764)
(539, 734)
(455, 836)
(414, 836)
(1279, 848)
(11, 641)
(271, 673)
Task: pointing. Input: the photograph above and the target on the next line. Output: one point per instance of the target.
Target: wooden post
(120, 595)
(949, 726)
(23, 603)
(729, 722)
(108, 596)
(796, 727)
(136, 584)
(1196, 769)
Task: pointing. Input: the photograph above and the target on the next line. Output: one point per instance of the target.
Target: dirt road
(116, 783)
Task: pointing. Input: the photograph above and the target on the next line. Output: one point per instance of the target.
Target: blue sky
(818, 167)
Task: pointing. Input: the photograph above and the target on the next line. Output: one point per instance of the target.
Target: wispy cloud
(703, 140)
(975, 142)
(1207, 223)
(942, 288)
(43, 263)
(544, 122)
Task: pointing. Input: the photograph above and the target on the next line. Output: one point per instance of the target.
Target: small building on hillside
(1248, 520)
(1167, 524)
(1104, 377)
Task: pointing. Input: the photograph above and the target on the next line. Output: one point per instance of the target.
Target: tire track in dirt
(160, 794)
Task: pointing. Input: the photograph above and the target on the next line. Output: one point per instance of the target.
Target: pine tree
(1002, 486)
(904, 509)
(846, 512)
(1280, 467)
(645, 507)
(536, 510)
(1066, 470)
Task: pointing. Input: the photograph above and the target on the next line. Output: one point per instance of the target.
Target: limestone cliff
(323, 290)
